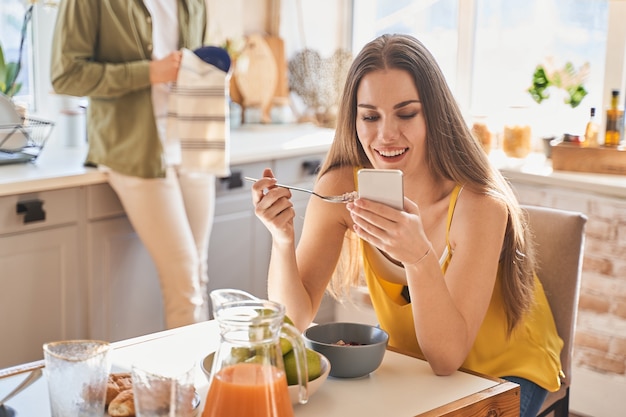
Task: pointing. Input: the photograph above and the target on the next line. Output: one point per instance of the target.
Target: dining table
(402, 386)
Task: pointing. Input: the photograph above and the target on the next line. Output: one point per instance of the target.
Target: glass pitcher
(248, 375)
(225, 295)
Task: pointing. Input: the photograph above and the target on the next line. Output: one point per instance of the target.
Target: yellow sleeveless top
(531, 352)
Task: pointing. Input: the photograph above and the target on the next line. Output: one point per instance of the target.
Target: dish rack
(23, 142)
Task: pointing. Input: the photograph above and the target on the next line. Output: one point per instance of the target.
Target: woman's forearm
(440, 326)
(285, 285)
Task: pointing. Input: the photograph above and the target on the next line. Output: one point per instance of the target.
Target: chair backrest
(559, 237)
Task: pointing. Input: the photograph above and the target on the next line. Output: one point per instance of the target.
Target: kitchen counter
(59, 167)
(90, 261)
(63, 167)
(536, 169)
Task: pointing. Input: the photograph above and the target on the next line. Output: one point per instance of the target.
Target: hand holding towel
(198, 116)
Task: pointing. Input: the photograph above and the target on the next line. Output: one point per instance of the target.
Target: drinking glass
(164, 389)
(77, 372)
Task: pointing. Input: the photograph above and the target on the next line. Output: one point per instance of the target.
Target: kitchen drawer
(102, 202)
(39, 210)
(236, 183)
(297, 170)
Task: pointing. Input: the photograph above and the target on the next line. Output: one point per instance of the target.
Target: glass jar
(482, 132)
(517, 134)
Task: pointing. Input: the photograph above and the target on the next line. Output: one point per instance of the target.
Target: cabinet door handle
(233, 181)
(32, 210)
(311, 167)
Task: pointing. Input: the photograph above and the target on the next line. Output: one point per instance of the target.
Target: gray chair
(559, 238)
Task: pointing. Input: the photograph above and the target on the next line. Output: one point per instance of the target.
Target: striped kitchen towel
(198, 117)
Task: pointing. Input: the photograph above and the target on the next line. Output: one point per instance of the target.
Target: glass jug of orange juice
(248, 375)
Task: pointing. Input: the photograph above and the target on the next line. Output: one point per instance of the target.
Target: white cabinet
(124, 293)
(240, 245)
(71, 265)
(42, 293)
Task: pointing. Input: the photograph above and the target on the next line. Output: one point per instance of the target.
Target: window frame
(42, 25)
(615, 64)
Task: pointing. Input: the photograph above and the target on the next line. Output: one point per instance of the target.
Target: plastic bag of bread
(123, 405)
(119, 398)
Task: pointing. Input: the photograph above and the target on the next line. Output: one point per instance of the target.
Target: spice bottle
(614, 121)
(591, 131)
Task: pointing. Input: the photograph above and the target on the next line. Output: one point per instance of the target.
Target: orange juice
(248, 389)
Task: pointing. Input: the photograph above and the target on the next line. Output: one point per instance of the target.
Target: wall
(599, 375)
(235, 18)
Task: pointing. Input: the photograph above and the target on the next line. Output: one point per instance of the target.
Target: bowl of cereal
(353, 349)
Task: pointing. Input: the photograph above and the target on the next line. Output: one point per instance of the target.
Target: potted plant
(10, 70)
(8, 76)
(559, 90)
(569, 79)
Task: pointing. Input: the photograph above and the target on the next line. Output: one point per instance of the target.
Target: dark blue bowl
(215, 56)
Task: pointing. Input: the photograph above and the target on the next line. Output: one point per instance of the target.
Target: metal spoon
(34, 376)
(344, 198)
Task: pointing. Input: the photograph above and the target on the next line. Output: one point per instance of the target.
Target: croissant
(123, 405)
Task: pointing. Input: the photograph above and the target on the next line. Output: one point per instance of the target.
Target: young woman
(450, 276)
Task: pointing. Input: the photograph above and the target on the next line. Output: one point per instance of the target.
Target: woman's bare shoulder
(479, 222)
(481, 206)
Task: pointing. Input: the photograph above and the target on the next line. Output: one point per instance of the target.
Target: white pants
(173, 217)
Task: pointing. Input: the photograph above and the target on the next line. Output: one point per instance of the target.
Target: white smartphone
(382, 185)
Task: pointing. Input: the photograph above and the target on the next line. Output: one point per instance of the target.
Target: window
(35, 74)
(11, 21)
(489, 49)
(512, 39)
(435, 23)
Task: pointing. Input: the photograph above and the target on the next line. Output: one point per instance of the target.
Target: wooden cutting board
(277, 46)
(256, 75)
(281, 92)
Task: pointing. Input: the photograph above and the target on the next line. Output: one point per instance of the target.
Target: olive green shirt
(102, 50)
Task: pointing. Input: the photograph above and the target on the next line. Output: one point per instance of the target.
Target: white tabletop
(401, 386)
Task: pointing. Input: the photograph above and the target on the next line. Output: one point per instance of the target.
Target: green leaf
(3, 71)
(1, 58)
(10, 79)
(11, 71)
(576, 95)
(539, 90)
(14, 90)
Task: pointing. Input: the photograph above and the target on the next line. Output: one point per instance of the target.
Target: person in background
(451, 277)
(124, 55)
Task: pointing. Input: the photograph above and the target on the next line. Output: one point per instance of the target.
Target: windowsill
(537, 169)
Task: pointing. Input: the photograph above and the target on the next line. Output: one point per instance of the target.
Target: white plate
(9, 117)
(12, 139)
(313, 385)
(293, 389)
(8, 112)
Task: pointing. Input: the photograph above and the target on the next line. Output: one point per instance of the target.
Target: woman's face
(390, 124)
